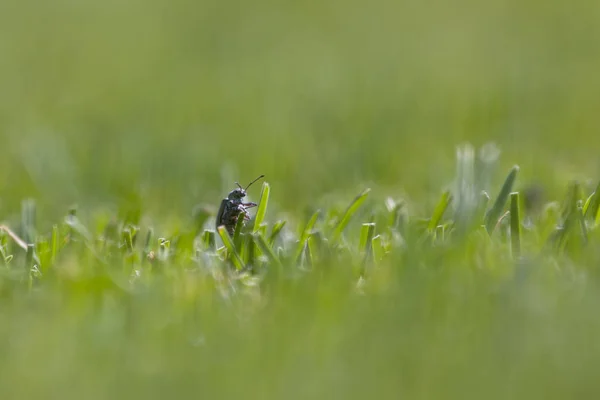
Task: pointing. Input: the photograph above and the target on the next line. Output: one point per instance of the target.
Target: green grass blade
(582, 225)
(439, 211)
(366, 235)
(262, 206)
(266, 249)
(367, 232)
(277, 228)
(231, 251)
(495, 212)
(308, 252)
(515, 224)
(350, 211)
(237, 238)
(209, 240)
(592, 205)
(377, 246)
(304, 236)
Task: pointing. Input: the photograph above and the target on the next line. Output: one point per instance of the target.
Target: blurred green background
(175, 99)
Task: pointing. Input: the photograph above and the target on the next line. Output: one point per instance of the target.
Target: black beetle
(233, 206)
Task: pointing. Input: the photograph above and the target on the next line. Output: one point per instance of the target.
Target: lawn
(427, 227)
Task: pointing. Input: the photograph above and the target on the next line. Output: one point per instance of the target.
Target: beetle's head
(240, 192)
(237, 194)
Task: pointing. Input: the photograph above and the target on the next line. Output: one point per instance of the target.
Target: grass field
(124, 124)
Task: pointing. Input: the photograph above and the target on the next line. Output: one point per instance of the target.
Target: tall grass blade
(367, 232)
(592, 205)
(209, 241)
(306, 234)
(237, 238)
(277, 228)
(262, 206)
(231, 250)
(495, 212)
(377, 246)
(515, 224)
(366, 235)
(350, 211)
(266, 249)
(439, 211)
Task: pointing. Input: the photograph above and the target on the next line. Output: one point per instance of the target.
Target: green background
(321, 96)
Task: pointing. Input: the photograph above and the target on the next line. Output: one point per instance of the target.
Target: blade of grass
(377, 247)
(237, 238)
(366, 235)
(20, 242)
(367, 232)
(262, 206)
(495, 212)
(592, 205)
(350, 211)
(439, 211)
(515, 224)
(306, 234)
(276, 231)
(209, 241)
(266, 249)
(308, 253)
(231, 251)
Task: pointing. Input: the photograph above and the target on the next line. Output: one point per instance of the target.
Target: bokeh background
(174, 100)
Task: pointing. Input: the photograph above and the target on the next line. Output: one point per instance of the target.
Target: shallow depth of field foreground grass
(484, 298)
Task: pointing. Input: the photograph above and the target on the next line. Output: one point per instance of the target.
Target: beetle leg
(249, 205)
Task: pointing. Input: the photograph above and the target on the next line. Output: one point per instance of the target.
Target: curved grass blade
(495, 212)
(262, 207)
(231, 251)
(266, 249)
(515, 224)
(304, 236)
(592, 205)
(276, 231)
(350, 211)
(439, 211)
(20, 242)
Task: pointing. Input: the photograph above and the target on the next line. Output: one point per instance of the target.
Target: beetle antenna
(260, 177)
(240, 186)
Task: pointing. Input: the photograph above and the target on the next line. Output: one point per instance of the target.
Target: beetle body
(233, 207)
